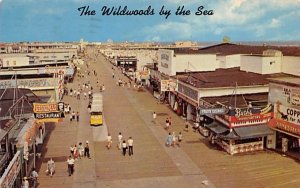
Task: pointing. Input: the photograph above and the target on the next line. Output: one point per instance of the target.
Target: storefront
(186, 102)
(27, 143)
(284, 93)
(242, 130)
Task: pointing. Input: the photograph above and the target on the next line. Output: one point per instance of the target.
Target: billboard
(168, 85)
(165, 58)
(251, 115)
(285, 113)
(286, 95)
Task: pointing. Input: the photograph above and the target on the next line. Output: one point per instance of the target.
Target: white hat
(87, 141)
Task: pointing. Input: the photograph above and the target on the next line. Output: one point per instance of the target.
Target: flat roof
(286, 80)
(225, 78)
(240, 100)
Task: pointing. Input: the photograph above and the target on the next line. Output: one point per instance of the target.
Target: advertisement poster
(149, 58)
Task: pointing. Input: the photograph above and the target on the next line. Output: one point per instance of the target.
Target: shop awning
(217, 127)
(253, 131)
(230, 136)
(284, 132)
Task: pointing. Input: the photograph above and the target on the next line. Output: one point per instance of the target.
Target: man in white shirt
(154, 117)
(130, 146)
(109, 141)
(120, 140)
(70, 162)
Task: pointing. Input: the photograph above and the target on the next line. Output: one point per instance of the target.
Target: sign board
(286, 95)
(168, 85)
(212, 111)
(165, 58)
(48, 112)
(288, 114)
(284, 125)
(28, 83)
(9, 176)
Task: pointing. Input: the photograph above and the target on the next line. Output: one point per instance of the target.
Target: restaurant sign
(250, 113)
(48, 112)
(11, 173)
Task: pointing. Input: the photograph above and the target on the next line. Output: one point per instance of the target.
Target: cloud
(274, 23)
(168, 31)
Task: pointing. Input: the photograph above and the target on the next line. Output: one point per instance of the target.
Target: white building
(170, 63)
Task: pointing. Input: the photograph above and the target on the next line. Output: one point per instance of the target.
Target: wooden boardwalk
(153, 164)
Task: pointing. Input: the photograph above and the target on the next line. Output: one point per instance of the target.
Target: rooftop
(286, 80)
(229, 49)
(240, 101)
(11, 101)
(225, 78)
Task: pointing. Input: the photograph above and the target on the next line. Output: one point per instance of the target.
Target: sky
(239, 20)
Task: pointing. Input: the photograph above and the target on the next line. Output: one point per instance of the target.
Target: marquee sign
(250, 114)
(48, 112)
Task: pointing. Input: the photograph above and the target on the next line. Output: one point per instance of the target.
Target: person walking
(130, 146)
(87, 150)
(120, 137)
(80, 150)
(76, 153)
(167, 124)
(34, 176)
(180, 137)
(90, 94)
(70, 162)
(72, 151)
(50, 167)
(89, 106)
(124, 147)
(25, 183)
(186, 128)
(173, 139)
(77, 116)
(109, 141)
(73, 115)
(169, 140)
(154, 117)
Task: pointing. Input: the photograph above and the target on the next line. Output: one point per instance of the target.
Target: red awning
(284, 126)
